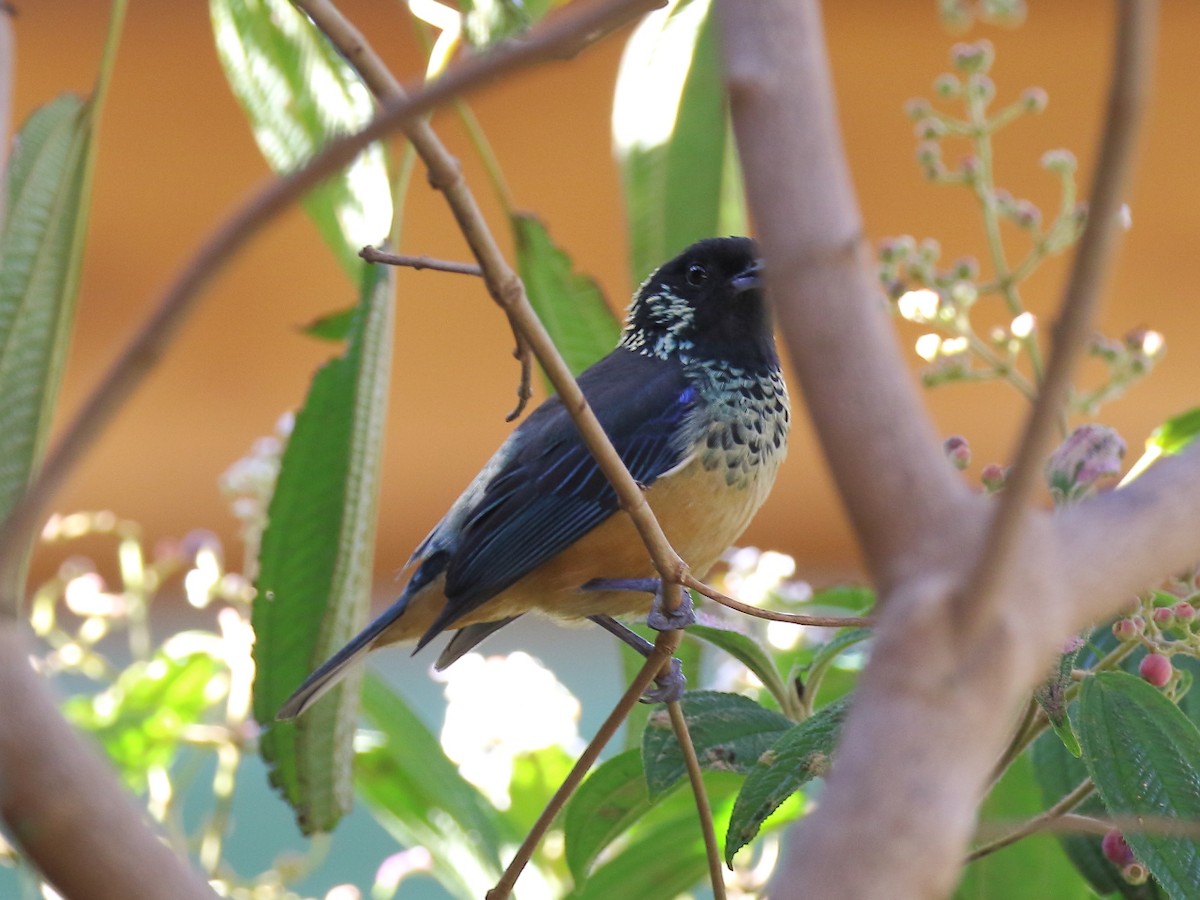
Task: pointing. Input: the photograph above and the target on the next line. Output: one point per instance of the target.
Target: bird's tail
(334, 669)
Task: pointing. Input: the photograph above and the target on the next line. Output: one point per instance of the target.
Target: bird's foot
(660, 618)
(670, 687)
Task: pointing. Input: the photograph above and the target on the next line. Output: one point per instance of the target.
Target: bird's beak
(749, 280)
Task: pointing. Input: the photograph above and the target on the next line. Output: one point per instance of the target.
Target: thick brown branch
(63, 807)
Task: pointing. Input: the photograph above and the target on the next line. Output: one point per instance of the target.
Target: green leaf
(40, 251)
(1144, 756)
(613, 797)
(332, 327)
(664, 855)
(1171, 437)
(826, 654)
(801, 754)
(570, 305)
(315, 563)
(1006, 874)
(299, 94)
(141, 719)
(418, 795)
(487, 21)
(729, 732)
(670, 130)
(749, 653)
(1057, 774)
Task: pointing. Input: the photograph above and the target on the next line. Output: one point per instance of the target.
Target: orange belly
(699, 511)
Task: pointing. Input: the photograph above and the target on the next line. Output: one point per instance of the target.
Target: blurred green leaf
(751, 654)
(1144, 756)
(41, 247)
(801, 754)
(1058, 773)
(141, 719)
(611, 799)
(487, 21)
(418, 795)
(332, 327)
(570, 305)
(536, 776)
(298, 94)
(670, 130)
(1173, 436)
(315, 572)
(1006, 874)
(729, 732)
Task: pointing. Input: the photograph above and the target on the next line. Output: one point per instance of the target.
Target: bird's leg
(660, 619)
(670, 686)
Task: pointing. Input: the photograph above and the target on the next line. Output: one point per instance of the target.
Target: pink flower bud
(1116, 850)
(1124, 630)
(958, 451)
(1184, 611)
(1163, 616)
(1155, 668)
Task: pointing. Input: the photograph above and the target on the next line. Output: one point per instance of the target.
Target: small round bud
(1163, 616)
(1034, 100)
(1026, 215)
(1061, 161)
(929, 250)
(1155, 668)
(972, 58)
(1115, 850)
(1003, 12)
(1139, 623)
(1124, 630)
(917, 108)
(993, 477)
(968, 167)
(965, 268)
(981, 87)
(929, 154)
(930, 129)
(1184, 611)
(947, 86)
(958, 451)
(1135, 873)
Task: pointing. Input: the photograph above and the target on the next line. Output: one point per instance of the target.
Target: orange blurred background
(176, 155)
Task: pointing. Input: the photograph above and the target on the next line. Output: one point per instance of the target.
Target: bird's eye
(696, 275)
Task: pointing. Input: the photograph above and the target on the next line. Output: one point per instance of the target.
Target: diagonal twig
(1129, 88)
(375, 255)
(683, 737)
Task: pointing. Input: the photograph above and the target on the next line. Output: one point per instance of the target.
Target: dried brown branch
(62, 806)
(375, 255)
(716, 875)
(1129, 87)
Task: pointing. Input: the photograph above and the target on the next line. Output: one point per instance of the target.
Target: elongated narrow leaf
(825, 656)
(1144, 756)
(298, 94)
(315, 576)
(418, 795)
(729, 732)
(569, 304)
(749, 653)
(670, 129)
(798, 756)
(1051, 697)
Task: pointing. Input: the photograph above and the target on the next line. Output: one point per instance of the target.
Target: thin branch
(976, 608)
(149, 345)
(1038, 822)
(794, 618)
(683, 737)
(656, 663)
(375, 255)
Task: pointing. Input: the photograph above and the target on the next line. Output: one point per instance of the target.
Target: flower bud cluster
(1165, 624)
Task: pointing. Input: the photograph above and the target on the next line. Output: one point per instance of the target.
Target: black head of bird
(694, 403)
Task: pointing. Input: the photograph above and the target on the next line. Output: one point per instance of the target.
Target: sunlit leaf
(1144, 756)
(487, 21)
(609, 801)
(316, 562)
(299, 94)
(670, 130)
(1171, 437)
(140, 720)
(749, 653)
(418, 795)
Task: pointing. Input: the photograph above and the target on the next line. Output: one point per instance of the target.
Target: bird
(694, 401)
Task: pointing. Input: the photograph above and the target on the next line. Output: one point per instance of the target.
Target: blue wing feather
(548, 491)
